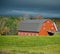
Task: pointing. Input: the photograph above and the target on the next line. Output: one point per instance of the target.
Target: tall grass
(26, 41)
(30, 44)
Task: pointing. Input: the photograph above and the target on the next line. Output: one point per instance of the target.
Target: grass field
(30, 44)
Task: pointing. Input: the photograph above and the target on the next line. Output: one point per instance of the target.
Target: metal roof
(31, 25)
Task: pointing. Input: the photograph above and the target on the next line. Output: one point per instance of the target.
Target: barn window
(19, 33)
(29, 34)
(36, 34)
(32, 34)
(44, 28)
(24, 33)
(52, 27)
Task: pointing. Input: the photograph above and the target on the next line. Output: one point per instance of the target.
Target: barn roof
(31, 25)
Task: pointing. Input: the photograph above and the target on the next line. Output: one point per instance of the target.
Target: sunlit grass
(30, 44)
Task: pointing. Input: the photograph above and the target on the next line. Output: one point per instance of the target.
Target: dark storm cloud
(44, 7)
(30, 3)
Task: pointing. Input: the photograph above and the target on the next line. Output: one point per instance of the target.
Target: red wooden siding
(28, 34)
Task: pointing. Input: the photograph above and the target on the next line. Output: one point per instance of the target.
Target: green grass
(30, 44)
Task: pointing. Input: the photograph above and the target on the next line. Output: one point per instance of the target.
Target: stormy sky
(47, 8)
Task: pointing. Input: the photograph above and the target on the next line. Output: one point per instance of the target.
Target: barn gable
(31, 25)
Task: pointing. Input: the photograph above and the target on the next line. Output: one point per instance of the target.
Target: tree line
(9, 24)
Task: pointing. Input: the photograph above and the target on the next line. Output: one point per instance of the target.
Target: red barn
(37, 27)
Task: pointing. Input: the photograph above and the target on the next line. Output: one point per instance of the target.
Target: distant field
(30, 44)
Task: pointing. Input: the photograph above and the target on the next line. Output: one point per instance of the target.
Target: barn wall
(28, 34)
(47, 26)
(43, 32)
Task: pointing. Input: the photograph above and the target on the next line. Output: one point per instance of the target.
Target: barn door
(50, 33)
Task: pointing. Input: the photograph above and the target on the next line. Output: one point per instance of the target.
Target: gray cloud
(44, 7)
(26, 3)
(45, 14)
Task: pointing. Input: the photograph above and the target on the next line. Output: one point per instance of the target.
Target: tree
(9, 25)
(2, 25)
